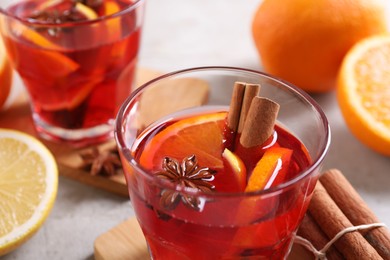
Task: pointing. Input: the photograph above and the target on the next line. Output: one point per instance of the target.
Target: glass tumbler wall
(222, 225)
(77, 61)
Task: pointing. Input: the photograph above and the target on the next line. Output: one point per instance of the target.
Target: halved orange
(200, 135)
(363, 92)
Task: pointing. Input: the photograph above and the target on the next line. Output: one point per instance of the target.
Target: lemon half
(28, 187)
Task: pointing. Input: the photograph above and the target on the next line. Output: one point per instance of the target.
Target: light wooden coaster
(126, 241)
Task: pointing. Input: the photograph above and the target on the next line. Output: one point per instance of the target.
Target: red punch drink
(77, 60)
(224, 175)
(203, 189)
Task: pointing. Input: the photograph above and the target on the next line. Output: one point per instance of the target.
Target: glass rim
(30, 21)
(166, 184)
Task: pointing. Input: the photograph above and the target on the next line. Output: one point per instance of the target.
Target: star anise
(101, 162)
(68, 15)
(186, 175)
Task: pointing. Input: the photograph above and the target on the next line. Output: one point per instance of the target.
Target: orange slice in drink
(200, 135)
(114, 28)
(5, 75)
(56, 63)
(34, 37)
(272, 166)
(111, 7)
(238, 167)
(70, 97)
(48, 4)
(269, 171)
(88, 12)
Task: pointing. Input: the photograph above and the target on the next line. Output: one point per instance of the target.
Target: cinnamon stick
(332, 220)
(233, 118)
(251, 91)
(259, 123)
(310, 230)
(356, 210)
(242, 96)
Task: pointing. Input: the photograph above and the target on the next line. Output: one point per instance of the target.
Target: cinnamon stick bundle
(251, 118)
(310, 230)
(240, 103)
(356, 210)
(335, 205)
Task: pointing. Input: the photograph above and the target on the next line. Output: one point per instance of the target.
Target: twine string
(321, 254)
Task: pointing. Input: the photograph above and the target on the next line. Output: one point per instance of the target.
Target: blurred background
(179, 34)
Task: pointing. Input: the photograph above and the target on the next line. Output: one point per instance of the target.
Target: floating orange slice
(51, 57)
(270, 170)
(238, 167)
(201, 135)
(270, 167)
(70, 97)
(88, 12)
(114, 28)
(21, 30)
(5, 75)
(363, 92)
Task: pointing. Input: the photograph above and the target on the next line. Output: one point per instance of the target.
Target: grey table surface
(181, 34)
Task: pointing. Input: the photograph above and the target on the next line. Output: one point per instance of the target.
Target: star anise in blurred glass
(186, 174)
(67, 15)
(101, 162)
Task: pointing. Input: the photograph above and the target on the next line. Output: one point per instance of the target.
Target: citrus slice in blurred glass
(363, 92)
(114, 27)
(88, 12)
(65, 96)
(52, 60)
(28, 187)
(5, 75)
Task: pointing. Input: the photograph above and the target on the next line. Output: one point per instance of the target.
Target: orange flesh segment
(34, 37)
(113, 24)
(199, 135)
(57, 63)
(238, 167)
(114, 27)
(86, 11)
(73, 98)
(48, 4)
(274, 160)
(111, 7)
(271, 169)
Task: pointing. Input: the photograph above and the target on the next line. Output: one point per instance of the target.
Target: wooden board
(69, 160)
(126, 241)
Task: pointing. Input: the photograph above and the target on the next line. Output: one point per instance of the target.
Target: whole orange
(304, 41)
(5, 75)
